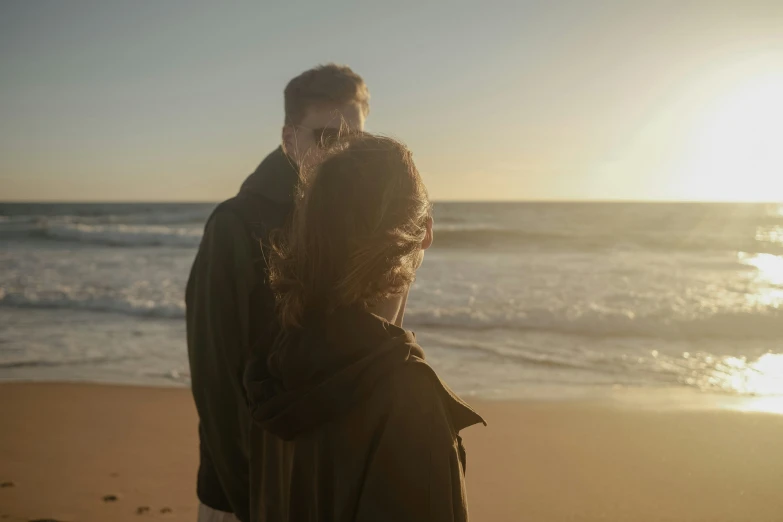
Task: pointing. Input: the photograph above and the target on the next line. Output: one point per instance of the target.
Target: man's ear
(429, 236)
(289, 141)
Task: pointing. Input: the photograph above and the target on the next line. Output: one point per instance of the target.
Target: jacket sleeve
(218, 317)
(415, 473)
(228, 278)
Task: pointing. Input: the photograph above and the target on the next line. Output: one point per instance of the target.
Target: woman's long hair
(355, 238)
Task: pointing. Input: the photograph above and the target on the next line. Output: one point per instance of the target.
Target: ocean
(514, 300)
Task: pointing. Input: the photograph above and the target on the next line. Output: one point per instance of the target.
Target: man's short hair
(328, 84)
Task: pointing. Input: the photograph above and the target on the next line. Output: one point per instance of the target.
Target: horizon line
(488, 201)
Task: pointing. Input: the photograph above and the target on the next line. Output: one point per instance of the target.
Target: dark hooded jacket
(357, 427)
(230, 314)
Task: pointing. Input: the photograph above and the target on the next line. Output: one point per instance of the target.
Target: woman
(357, 426)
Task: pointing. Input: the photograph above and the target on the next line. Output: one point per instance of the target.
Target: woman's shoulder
(417, 387)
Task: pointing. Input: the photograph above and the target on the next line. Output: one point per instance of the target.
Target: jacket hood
(275, 178)
(329, 367)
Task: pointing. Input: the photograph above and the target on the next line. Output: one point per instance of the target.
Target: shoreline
(651, 399)
(42, 345)
(67, 445)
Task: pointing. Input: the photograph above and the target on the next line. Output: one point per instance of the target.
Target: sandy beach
(78, 452)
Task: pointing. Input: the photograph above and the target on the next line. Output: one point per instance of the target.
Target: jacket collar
(275, 178)
(331, 367)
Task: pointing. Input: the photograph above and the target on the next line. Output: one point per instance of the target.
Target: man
(230, 308)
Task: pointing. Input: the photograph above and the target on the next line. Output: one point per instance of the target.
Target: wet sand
(64, 447)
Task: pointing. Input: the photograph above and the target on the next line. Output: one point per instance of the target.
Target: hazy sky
(179, 100)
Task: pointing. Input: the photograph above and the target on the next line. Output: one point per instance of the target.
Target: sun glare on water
(761, 378)
(764, 379)
(768, 278)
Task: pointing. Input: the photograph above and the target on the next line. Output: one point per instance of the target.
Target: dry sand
(66, 446)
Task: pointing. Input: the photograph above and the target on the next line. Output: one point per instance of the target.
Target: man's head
(318, 104)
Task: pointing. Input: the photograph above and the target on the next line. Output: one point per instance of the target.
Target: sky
(179, 100)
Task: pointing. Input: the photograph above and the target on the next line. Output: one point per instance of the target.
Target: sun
(736, 153)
